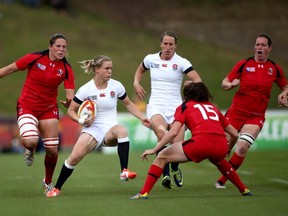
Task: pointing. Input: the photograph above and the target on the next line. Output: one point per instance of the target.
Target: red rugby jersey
(256, 82)
(201, 118)
(40, 89)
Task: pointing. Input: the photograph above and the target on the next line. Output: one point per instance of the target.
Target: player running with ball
(103, 130)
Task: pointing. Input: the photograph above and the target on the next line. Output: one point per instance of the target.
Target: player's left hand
(65, 103)
(146, 153)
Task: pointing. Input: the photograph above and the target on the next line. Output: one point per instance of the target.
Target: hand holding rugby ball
(87, 109)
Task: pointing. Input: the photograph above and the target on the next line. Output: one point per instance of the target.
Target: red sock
(227, 170)
(236, 162)
(50, 164)
(153, 175)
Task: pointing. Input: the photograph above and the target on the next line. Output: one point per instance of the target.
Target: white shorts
(166, 112)
(98, 131)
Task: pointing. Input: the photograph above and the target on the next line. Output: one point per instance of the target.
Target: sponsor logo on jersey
(154, 65)
(102, 95)
(40, 66)
(92, 97)
(250, 69)
(164, 65)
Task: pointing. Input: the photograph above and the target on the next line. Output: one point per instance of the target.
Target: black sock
(123, 153)
(166, 171)
(174, 166)
(64, 175)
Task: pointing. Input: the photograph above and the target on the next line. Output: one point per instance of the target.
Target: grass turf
(95, 189)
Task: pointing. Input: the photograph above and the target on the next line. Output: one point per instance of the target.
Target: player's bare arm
(8, 70)
(139, 90)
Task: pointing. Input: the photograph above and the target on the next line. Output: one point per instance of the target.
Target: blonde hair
(89, 65)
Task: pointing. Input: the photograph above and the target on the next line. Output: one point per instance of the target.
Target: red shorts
(238, 120)
(50, 113)
(206, 146)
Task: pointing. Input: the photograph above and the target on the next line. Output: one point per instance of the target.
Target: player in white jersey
(104, 128)
(167, 70)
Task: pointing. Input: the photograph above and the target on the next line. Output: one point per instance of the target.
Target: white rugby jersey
(105, 99)
(166, 78)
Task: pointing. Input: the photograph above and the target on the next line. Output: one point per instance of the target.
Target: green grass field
(94, 188)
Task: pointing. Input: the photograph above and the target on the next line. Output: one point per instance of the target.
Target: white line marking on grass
(279, 181)
(19, 177)
(244, 172)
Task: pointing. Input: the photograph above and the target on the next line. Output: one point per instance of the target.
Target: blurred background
(213, 35)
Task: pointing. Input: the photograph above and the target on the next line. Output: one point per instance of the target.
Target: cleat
(53, 193)
(47, 186)
(140, 196)
(246, 193)
(219, 185)
(178, 177)
(28, 157)
(166, 182)
(126, 175)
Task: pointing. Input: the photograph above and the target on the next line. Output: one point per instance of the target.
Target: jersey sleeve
(69, 83)
(180, 115)
(234, 73)
(23, 62)
(147, 62)
(186, 66)
(281, 80)
(82, 93)
(224, 121)
(121, 91)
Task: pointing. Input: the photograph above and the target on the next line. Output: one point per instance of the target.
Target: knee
(52, 152)
(121, 131)
(242, 149)
(245, 141)
(30, 143)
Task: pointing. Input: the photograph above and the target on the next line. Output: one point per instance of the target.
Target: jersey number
(207, 112)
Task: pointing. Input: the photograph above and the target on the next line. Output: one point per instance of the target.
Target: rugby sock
(235, 161)
(123, 152)
(227, 170)
(166, 170)
(174, 166)
(66, 171)
(153, 175)
(50, 164)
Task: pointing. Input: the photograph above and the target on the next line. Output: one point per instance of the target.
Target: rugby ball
(88, 109)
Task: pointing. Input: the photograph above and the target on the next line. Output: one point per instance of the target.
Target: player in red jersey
(37, 109)
(255, 77)
(207, 125)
